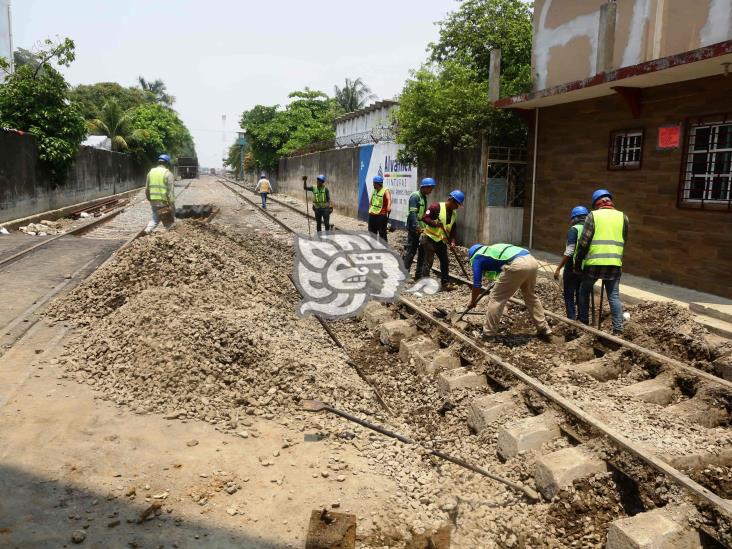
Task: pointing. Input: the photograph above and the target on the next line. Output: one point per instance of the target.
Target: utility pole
(241, 141)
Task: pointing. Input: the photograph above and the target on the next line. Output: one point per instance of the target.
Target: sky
(222, 57)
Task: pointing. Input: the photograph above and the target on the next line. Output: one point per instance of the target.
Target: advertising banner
(5, 36)
(400, 179)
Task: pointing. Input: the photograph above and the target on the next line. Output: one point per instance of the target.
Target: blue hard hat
(428, 182)
(321, 177)
(474, 248)
(378, 180)
(164, 158)
(600, 193)
(457, 196)
(578, 211)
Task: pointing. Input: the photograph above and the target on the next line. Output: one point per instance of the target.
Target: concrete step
(715, 325)
(560, 469)
(527, 434)
(714, 310)
(666, 528)
(490, 408)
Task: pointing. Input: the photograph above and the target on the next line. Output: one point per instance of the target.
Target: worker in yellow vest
(263, 188)
(415, 225)
(599, 255)
(322, 206)
(160, 192)
(440, 232)
(380, 208)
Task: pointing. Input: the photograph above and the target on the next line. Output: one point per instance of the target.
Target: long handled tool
(592, 305)
(483, 293)
(457, 258)
(307, 208)
(317, 406)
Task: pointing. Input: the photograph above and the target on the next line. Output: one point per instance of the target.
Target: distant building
(98, 142)
(371, 124)
(6, 35)
(634, 96)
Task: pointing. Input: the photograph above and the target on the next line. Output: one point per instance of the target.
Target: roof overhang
(690, 65)
(386, 103)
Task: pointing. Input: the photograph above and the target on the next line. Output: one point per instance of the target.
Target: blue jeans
(612, 289)
(571, 292)
(264, 200)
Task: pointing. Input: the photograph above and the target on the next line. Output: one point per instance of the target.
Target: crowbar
(481, 296)
(317, 406)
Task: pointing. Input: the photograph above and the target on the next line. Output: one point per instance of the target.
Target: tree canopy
(353, 95)
(35, 99)
(91, 98)
(444, 104)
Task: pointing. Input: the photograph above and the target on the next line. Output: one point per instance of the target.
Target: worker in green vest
(322, 206)
(440, 231)
(159, 190)
(571, 279)
(415, 225)
(599, 256)
(379, 209)
(512, 268)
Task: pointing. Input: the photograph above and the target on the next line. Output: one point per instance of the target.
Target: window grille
(626, 150)
(707, 169)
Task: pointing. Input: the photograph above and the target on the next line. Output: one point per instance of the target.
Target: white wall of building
(5, 33)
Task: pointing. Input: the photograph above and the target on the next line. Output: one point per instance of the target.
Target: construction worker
(599, 255)
(380, 208)
(264, 187)
(160, 192)
(571, 279)
(440, 232)
(322, 205)
(512, 268)
(415, 225)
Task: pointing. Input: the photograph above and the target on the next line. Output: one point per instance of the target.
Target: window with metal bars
(706, 181)
(626, 150)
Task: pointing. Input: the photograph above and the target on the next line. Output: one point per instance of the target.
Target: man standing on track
(439, 233)
(322, 205)
(415, 225)
(263, 188)
(571, 280)
(160, 192)
(380, 208)
(512, 268)
(600, 256)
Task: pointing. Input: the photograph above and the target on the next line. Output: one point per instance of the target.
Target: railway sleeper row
(524, 423)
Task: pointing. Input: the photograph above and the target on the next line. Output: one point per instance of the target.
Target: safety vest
(578, 228)
(420, 210)
(499, 252)
(157, 184)
(438, 233)
(377, 201)
(319, 198)
(607, 243)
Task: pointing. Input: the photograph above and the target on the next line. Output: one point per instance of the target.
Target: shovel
(317, 406)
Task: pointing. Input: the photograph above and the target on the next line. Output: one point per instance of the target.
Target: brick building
(635, 96)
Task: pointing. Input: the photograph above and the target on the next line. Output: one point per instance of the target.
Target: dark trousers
(432, 248)
(322, 218)
(410, 250)
(571, 292)
(612, 290)
(264, 200)
(377, 225)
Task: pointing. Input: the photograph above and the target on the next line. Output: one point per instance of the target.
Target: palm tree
(158, 90)
(115, 123)
(353, 95)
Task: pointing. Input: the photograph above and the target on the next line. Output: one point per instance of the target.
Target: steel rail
(275, 200)
(651, 459)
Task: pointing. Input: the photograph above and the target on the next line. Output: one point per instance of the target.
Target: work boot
(545, 334)
(448, 287)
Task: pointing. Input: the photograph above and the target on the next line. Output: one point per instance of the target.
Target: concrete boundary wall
(26, 190)
(465, 170)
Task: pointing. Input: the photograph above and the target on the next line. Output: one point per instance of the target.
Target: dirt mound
(192, 323)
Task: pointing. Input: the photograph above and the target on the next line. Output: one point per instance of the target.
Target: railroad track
(122, 225)
(572, 420)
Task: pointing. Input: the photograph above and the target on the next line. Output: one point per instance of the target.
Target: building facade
(634, 96)
(369, 125)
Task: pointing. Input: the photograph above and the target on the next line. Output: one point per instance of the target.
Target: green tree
(160, 129)
(116, 123)
(354, 95)
(35, 99)
(444, 105)
(157, 90)
(91, 98)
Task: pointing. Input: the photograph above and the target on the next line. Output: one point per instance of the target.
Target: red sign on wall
(669, 137)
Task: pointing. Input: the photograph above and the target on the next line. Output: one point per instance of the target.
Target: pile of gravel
(200, 323)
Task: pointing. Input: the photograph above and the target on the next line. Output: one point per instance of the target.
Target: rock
(78, 536)
(192, 443)
(232, 511)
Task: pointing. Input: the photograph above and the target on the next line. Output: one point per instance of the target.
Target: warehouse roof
(385, 104)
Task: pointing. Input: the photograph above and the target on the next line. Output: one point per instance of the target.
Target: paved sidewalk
(713, 311)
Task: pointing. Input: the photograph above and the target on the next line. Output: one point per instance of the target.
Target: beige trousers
(519, 274)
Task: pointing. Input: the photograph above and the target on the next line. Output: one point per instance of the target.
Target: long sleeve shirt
(484, 265)
(414, 203)
(432, 217)
(570, 247)
(263, 186)
(606, 272)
